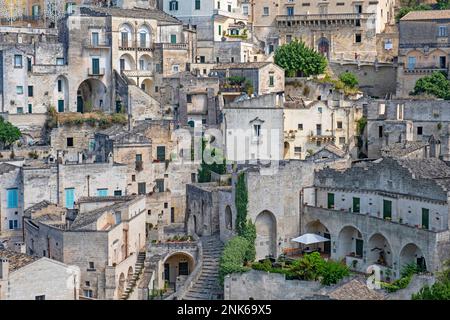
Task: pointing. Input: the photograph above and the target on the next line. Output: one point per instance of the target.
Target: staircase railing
(193, 277)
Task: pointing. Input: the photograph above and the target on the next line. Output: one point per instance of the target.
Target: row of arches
(127, 62)
(127, 36)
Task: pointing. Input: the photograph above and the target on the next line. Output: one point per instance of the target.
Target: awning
(310, 238)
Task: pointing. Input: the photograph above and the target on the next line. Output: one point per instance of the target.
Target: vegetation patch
(8, 133)
(436, 84)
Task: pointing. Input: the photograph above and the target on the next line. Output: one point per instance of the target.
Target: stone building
(338, 30)
(11, 200)
(103, 236)
(399, 121)
(23, 277)
(253, 129)
(424, 47)
(397, 214)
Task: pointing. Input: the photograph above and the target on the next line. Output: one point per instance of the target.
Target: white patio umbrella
(310, 238)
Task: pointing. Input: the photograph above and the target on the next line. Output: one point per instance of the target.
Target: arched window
(228, 218)
(144, 35)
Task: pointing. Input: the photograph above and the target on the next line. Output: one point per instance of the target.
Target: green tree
(241, 202)
(440, 290)
(233, 257)
(443, 4)
(435, 84)
(297, 59)
(349, 79)
(204, 172)
(8, 133)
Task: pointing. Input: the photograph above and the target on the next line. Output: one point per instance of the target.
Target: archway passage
(175, 265)
(121, 287)
(266, 235)
(324, 46)
(319, 228)
(147, 86)
(130, 274)
(92, 95)
(286, 149)
(379, 251)
(228, 218)
(350, 243)
(410, 254)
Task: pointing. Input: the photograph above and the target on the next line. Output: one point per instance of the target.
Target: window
(425, 218)
(142, 188)
(197, 4)
(42, 297)
(59, 61)
(30, 108)
(218, 5)
(290, 11)
(358, 38)
(288, 38)
(133, 178)
(202, 59)
(70, 197)
(173, 38)
(298, 149)
(387, 209)
(60, 105)
(12, 198)
(29, 64)
(19, 110)
(91, 266)
(88, 293)
(359, 247)
(30, 91)
(94, 38)
(220, 30)
(265, 11)
(102, 192)
(17, 61)
(59, 85)
(419, 131)
(189, 98)
(70, 142)
(257, 130)
(245, 11)
(95, 66)
(143, 39)
(160, 185)
(300, 126)
(442, 31)
(330, 202)
(318, 129)
(13, 224)
(271, 80)
(117, 193)
(341, 140)
(356, 205)
(161, 153)
(19, 89)
(139, 158)
(172, 215)
(175, 68)
(229, 8)
(411, 63)
(380, 131)
(173, 5)
(339, 124)
(35, 11)
(318, 143)
(358, 8)
(381, 109)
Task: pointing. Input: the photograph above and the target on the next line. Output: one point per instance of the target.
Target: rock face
(207, 286)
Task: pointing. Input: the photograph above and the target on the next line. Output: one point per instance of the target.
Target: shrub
(435, 84)
(236, 80)
(233, 257)
(349, 79)
(8, 133)
(332, 272)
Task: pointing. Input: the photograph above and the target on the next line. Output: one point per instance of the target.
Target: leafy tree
(8, 133)
(443, 4)
(435, 84)
(233, 257)
(204, 172)
(333, 272)
(349, 79)
(241, 202)
(297, 59)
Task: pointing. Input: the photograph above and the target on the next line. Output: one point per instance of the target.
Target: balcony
(423, 70)
(134, 45)
(138, 73)
(321, 20)
(319, 136)
(96, 72)
(171, 46)
(101, 44)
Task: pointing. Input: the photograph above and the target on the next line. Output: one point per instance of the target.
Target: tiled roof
(427, 15)
(6, 167)
(401, 149)
(430, 168)
(37, 207)
(355, 290)
(16, 260)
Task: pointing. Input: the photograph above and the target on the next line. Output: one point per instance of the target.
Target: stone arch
(318, 227)
(176, 264)
(411, 253)
(126, 35)
(228, 218)
(323, 46)
(121, 285)
(61, 93)
(350, 242)
(145, 63)
(92, 94)
(379, 250)
(266, 235)
(147, 86)
(126, 62)
(130, 274)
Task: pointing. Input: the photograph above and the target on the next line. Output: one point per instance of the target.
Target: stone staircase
(207, 286)
(139, 267)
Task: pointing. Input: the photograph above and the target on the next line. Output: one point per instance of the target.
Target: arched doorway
(411, 253)
(350, 243)
(266, 235)
(379, 251)
(319, 228)
(145, 63)
(130, 274)
(175, 265)
(121, 286)
(126, 62)
(228, 218)
(287, 148)
(92, 95)
(147, 86)
(324, 46)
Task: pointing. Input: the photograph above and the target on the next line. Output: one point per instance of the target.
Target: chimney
(20, 247)
(4, 268)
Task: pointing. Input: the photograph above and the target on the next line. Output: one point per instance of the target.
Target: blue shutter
(102, 192)
(70, 198)
(12, 198)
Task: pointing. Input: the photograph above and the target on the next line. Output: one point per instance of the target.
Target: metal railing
(325, 16)
(96, 72)
(171, 46)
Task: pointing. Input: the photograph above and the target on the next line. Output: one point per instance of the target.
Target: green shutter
(387, 209)
(359, 247)
(330, 200)
(356, 205)
(425, 218)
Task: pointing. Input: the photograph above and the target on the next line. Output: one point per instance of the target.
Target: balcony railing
(138, 73)
(324, 17)
(424, 70)
(320, 136)
(88, 43)
(171, 46)
(424, 45)
(96, 72)
(135, 45)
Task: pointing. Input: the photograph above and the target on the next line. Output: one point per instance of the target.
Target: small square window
(419, 131)
(339, 124)
(166, 205)
(91, 265)
(19, 89)
(133, 178)
(341, 140)
(358, 38)
(69, 142)
(300, 126)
